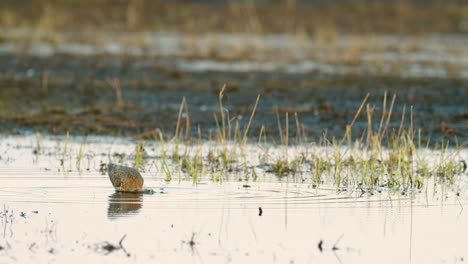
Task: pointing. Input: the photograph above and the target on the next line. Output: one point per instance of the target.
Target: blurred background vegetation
(320, 18)
(109, 67)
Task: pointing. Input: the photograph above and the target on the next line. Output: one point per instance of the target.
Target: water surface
(57, 214)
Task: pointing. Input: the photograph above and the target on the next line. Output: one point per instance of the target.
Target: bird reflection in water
(123, 204)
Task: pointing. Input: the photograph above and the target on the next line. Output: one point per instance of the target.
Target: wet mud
(141, 97)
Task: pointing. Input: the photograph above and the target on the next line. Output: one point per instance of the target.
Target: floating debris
(191, 242)
(109, 248)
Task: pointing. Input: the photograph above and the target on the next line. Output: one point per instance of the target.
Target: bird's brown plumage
(125, 179)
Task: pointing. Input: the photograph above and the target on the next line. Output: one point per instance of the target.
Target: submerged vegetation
(379, 159)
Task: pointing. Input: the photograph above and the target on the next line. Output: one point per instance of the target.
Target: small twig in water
(461, 206)
(122, 247)
(192, 242)
(335, 246)
(32, 246)
(109, 248)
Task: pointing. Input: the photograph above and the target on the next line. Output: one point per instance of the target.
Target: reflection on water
(50, 215)
(124, 204)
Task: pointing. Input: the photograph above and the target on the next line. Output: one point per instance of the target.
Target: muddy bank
(80, 94)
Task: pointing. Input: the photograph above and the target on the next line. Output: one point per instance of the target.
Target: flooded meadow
(346, 169)
(264, 134)
(59, 205)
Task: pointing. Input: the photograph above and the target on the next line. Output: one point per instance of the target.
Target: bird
(126, 179)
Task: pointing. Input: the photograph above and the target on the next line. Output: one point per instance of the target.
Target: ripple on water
(62, 214)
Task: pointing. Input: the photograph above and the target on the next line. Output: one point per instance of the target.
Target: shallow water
(55, 214)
